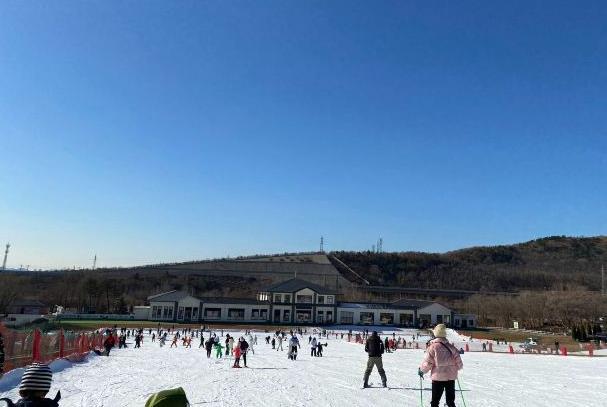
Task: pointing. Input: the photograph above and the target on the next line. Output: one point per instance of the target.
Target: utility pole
(94, 261)
(8, 245)
(603, 280)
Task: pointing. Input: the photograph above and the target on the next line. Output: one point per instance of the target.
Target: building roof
(400, 304)
(296, 284)
(26, 303)
(170, 296)
(225, 300)
(412, 304)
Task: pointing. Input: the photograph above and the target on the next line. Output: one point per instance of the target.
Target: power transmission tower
(322, 244)
(94, 262)
(8, 245)
(380, 245)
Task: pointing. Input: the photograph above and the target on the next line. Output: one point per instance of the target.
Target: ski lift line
(350, 270)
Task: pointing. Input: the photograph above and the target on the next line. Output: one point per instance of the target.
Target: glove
(420, 373)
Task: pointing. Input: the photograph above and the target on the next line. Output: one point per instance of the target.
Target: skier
(280, 339)
(387, 345)
(174, 341)
(236, 357)
(228, 347)
(108, 344)
(444, 360)
(153, 337)
(208, 345)
(319, 349)
(137, 341)
(218, 350)
(251, 342)
(374, 348)
(313, 347)
(244, 348)
(293, 345)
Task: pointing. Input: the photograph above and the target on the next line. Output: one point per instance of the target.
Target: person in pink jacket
(442, 359)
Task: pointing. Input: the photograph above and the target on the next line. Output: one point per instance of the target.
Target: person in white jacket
(313, 346)
(251, 342)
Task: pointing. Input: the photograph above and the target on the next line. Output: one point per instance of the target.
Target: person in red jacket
(108, 344)
(237, 353)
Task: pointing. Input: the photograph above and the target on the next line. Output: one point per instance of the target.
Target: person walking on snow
(293, 345)
(374, 348)
(279, 347)
(313, 347)
(251, 342)
(444, 361)
(244, 348)
(208, 345)
(236, 356)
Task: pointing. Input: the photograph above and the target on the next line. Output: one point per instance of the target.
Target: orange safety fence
(20, 348)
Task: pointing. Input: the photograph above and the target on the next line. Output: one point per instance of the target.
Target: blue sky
(161, 131)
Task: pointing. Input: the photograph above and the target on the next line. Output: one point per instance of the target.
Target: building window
(195, 313)
(386, 318)
(329, 317)
(212, 313)
(180, 313)
(406, 319)
(264, 314)
(321, 317)
(367, 318)
(277, 298)
(236, 313)
(424, 319)
(304, 299)
(276, 315)
(286, 316)
(346, 317)
(321, 299)
(262, 297)
(471, 322)
(330, 299)
(155, 312)
(287, 298)
(439, 319)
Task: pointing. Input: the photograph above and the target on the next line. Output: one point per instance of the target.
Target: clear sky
(152, 131)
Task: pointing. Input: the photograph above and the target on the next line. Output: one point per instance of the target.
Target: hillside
(549, 263)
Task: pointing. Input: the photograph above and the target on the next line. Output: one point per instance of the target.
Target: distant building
(294, 301)
(27, 307)
(464, 321)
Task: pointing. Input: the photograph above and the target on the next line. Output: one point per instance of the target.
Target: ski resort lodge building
(294, 301)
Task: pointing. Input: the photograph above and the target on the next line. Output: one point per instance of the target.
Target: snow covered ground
(129, 376)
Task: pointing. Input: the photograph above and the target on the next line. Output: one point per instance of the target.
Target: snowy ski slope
(130, 375)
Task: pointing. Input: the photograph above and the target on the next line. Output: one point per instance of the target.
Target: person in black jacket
(374, 348)
(244, 348)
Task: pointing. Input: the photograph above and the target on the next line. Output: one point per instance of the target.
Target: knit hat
(168, 398)
(440, 331)
(37, 377)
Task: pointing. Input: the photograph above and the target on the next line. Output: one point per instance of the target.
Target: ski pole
(421, 393)
(461, 392)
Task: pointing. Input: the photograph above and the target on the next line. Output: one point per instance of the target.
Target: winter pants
(208, 353)
(107, 350)
(244, 358)
(313, 352)
(437, 392)
(375, 361)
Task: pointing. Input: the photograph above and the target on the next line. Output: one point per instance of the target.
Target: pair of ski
(371, 386)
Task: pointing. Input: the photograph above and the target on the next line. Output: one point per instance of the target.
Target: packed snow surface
(128, 376)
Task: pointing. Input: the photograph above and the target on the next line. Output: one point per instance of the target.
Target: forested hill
(547, 263)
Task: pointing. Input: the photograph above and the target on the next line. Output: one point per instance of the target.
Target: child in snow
(273, 343)
(444, 361)
(218, 350)
(174, 343)
(35, 384)
(237, 354)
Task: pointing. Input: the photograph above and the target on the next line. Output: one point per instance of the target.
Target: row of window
(304, 299)
(388, 318)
